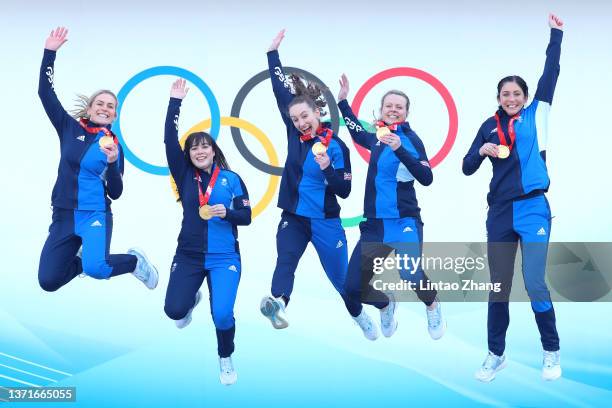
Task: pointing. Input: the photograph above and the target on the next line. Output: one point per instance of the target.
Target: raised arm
(361, 136)
(280, 82)
(548, 80)
(174, 153)
(56, 113)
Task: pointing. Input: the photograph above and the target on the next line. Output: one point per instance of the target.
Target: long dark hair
(201, 138)
(308, 92)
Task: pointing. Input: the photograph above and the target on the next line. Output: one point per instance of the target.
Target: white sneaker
(491, 365)
(388, 324)
(228, 375)
(145, 271)
(274, 309)
(370, 331)
(436, 324)
(551, 367)
(184, 322)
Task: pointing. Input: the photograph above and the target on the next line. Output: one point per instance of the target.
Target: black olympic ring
(241, 96)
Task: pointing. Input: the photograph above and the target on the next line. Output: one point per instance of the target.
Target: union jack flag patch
(246, 203)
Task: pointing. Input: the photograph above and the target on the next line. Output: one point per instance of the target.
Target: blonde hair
(84, 102)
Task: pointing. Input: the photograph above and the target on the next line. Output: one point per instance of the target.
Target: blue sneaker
(436, 324)
(274, 309)
(145, 271)
(551, 366)
(490, 367)
(184, 322)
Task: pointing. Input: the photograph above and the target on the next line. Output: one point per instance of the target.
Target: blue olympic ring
(215, 113)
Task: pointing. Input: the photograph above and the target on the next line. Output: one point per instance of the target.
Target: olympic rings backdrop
(238, 124)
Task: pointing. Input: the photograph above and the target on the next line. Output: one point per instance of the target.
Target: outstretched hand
(555, 22)
(277, 40)
(178, 89)
(56, 39)
(344, 88)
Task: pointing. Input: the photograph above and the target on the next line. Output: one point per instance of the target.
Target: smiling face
(202, 155)
(304, 118)
(511, 98)
(394, 108)
(102, 109)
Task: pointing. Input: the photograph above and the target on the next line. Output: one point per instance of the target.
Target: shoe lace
(226, 365)
(387, 313)
(433, 316)
(143, 270)
(489, 361)
(365, 323)
(550, 359)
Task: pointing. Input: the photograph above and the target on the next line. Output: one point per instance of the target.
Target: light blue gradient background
(113, 336)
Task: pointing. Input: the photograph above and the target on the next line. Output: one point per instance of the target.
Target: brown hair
(309, 92)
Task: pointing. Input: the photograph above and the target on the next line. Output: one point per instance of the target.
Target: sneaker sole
(498, 369)
(229, 381)
(552, 378)
(391, 333)
(270, 310)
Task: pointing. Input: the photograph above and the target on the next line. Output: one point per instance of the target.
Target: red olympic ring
(453, 119)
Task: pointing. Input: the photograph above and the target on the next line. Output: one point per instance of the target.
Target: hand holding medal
(489, 149)
(110, 150)
(391, 139)
(322, 159)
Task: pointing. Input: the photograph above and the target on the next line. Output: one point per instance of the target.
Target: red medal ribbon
(211, 184)
(320, 132)
(84, 122)
(392, 126)
(511, 132)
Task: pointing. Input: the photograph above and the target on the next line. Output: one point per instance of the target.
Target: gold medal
(382, 131)
(205, 212)
(318, 148)
(106, 141)
(503, 152)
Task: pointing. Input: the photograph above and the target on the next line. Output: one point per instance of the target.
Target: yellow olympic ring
(260, 136)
